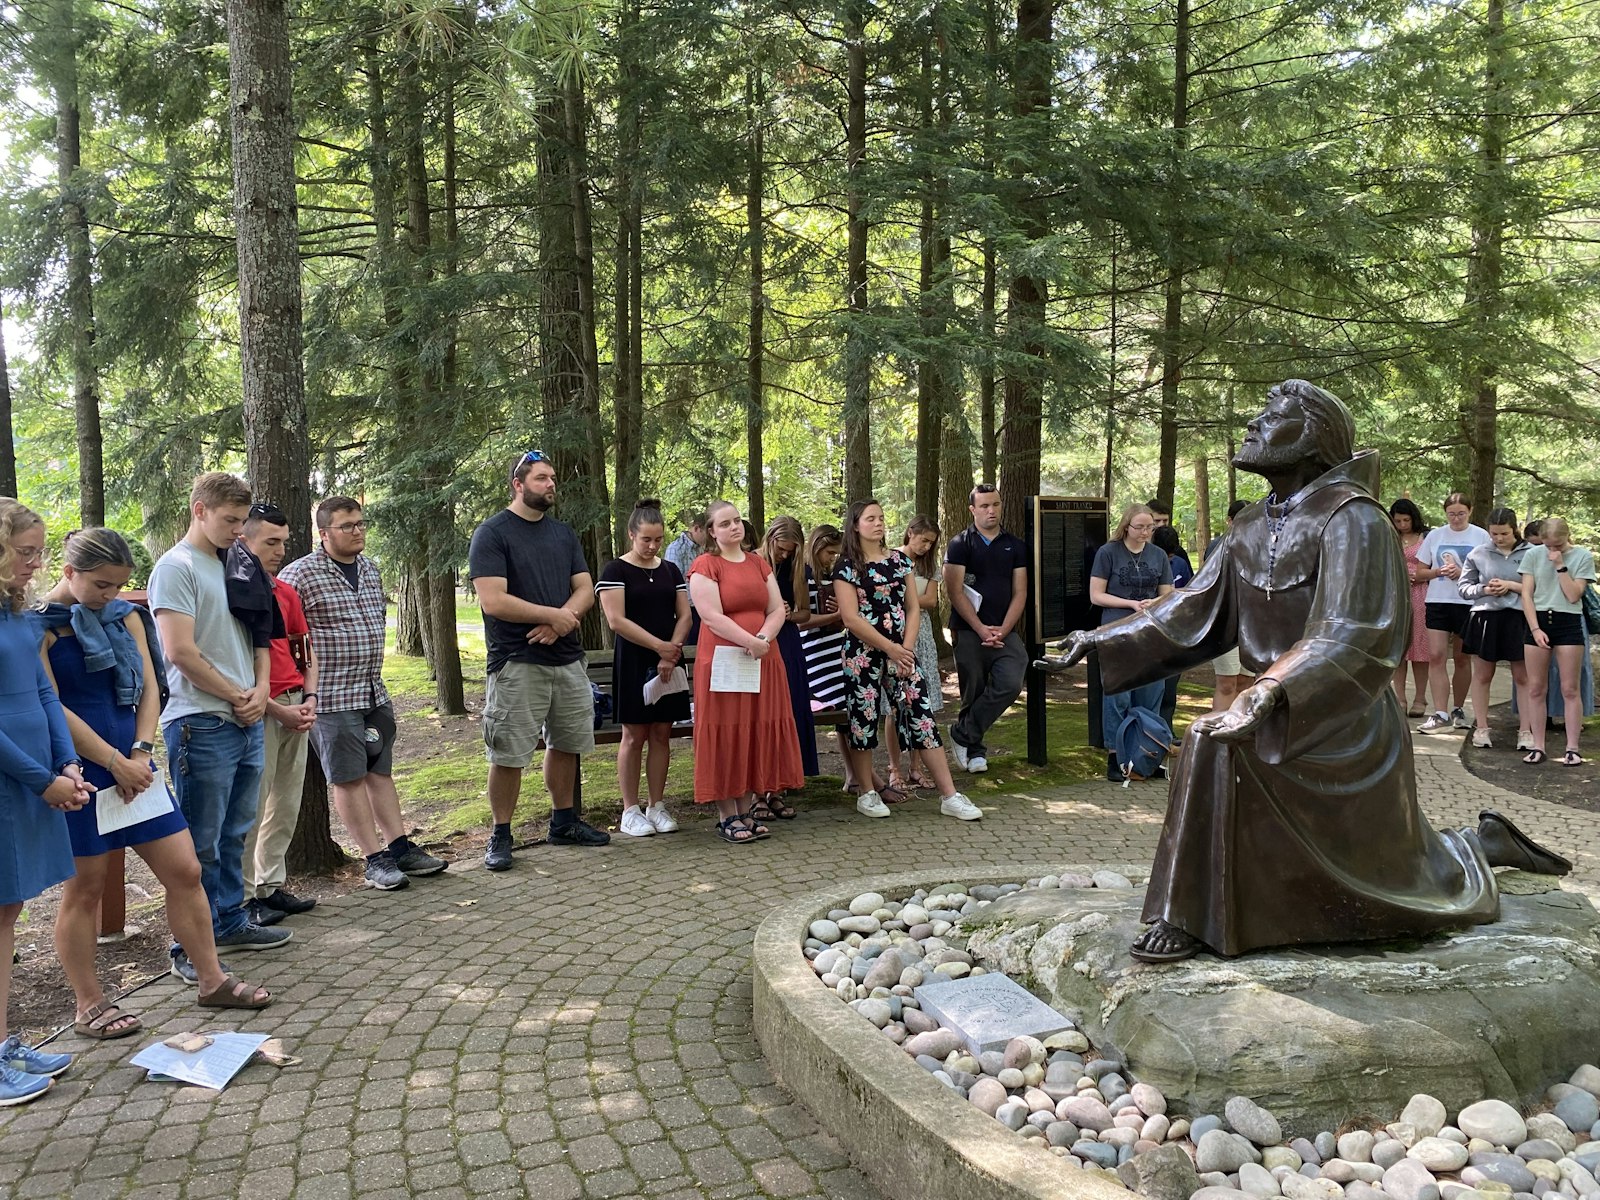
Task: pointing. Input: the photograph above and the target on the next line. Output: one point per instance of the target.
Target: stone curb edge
(906, 1131)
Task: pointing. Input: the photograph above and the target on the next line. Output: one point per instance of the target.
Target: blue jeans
(215, 768)
(1114, 707)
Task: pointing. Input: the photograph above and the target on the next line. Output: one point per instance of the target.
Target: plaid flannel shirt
(347, 630)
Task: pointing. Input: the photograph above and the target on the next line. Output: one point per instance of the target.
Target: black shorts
(1495, 635)
(1446, 617)
(1562, 628)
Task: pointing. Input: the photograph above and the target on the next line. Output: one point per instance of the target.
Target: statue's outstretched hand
(1249, 711)
(1074, 650)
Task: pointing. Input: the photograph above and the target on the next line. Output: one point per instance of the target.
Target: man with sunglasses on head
(342, 594)
(534, 587)
(291, 712)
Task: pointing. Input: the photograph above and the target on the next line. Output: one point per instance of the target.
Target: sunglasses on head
(528, 459)
(268, 512)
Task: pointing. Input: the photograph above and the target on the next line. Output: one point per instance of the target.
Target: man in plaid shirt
(342, 595)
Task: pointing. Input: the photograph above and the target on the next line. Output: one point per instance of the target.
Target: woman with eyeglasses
(40, 781)
(1128, 575)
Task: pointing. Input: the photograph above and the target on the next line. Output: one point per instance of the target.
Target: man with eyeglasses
(534, 587)
(342, 594)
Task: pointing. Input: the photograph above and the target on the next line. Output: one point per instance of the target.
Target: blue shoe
(18, 1057)
(18, 1087)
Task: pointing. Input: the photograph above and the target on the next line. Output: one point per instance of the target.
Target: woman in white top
(1439, 562)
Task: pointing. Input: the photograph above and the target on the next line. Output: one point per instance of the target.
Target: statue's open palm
(1254, 705)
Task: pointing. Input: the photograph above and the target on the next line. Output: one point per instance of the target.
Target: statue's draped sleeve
(1186, 628)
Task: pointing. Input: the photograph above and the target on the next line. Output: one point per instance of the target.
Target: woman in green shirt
(1552, 602)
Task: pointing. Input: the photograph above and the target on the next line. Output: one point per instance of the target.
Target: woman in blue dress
(98, 653)
(39, 781)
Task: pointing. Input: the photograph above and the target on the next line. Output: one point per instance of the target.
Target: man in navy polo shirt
(986, 572)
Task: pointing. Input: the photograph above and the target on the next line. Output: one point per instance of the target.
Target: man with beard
(534, 587)
(1293, 817)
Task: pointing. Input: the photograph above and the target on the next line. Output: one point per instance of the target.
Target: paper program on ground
(733, 670)
(212, 1067)
(111, 814)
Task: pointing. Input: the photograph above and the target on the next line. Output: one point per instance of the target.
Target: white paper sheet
(732, 670)
(655, 687)
(212, 1067)
(973, 598)
(111, 814)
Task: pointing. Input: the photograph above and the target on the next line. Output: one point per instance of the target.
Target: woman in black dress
(781, 547)
(646, 604)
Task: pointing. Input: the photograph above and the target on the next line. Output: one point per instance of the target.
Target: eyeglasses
(29, 554)
(528, 459)
(351, 527)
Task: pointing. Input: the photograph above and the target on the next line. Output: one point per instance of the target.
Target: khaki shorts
(528, 700)
(1228, 664)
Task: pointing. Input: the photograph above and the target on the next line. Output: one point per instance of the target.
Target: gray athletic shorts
(355, 744)
(527, 700)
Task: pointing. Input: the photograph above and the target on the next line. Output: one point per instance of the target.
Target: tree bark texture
(755, 401)
(80, 266)
(1027, 294)
(313, 850)
(1172, 315)
(8, 445)
(266, 223)
(857, 354)
(933, 296)
(627, 391)
(407, 615)
(1486, 268)
(989, 448)
(1202, 505)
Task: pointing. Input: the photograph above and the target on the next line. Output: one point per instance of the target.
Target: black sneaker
(286, 903)
(252, 937)
(498, 856)
(414, 860)
(261, 915)
(578, 833)
(1113, 771)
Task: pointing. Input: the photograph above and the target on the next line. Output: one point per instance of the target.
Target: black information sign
(1063, 534)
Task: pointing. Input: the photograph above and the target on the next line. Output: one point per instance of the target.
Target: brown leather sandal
(106, 1022)
(235, 993)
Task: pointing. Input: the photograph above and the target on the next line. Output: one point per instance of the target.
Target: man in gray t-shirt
(212, 723)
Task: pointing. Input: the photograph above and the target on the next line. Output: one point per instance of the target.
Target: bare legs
(8, 942)
(1440, 674)
(647, 746)
(1419, 682)
(370, 810)
(1569, 663)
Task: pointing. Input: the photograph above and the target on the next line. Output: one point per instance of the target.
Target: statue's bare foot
(1164, 943)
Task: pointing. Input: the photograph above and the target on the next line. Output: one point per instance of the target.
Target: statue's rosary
(1274, 527)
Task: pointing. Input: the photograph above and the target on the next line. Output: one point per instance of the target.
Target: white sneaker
(977, 764)
(959, 807)
(1480, 737)
(635, 823)
(1436, 723)
(660, 819)
(1524, 739)
(871, 805)
(960, 752)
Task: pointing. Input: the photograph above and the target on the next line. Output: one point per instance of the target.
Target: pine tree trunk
(1172, 315)
(627, 397)
(1485, 269)
(933, 251)
(80, 269)
(408, 616)
(313, 851)
(755, 228)
(1027, 295)
(1202, 505)
(266, 221)
(988, 432)
(8, 447)
(857, 354)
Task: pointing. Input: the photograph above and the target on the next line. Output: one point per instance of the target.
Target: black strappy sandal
(733, 829)
(1534, 757)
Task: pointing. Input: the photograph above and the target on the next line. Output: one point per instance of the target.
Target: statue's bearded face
(1280, 438)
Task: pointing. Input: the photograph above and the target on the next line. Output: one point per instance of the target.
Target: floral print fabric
(869, 678)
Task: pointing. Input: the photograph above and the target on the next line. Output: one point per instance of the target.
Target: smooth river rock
(1495, 1121)
(1256, 1123)
(1490, 1010)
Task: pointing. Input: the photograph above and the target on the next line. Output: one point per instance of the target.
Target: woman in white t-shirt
(1439, 562)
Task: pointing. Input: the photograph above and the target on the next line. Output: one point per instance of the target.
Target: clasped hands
(558, 626)
(67, 791)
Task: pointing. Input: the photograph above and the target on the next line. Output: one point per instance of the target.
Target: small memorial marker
(988, 1010)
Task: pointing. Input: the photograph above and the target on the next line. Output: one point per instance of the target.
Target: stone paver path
(578, 1027)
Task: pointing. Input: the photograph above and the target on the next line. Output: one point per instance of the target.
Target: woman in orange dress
(744, 742)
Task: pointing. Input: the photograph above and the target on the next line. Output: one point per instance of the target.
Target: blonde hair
(15, 518)
(1556, 527)
(1128, 514)
(788, 529)
(215, 489)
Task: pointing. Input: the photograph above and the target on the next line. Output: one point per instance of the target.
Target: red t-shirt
(285, 674)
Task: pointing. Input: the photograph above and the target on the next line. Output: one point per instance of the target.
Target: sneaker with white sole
(1480, 737)
(1524, 739)
(1458, 718)
(960, 752)
(19, 1087)
(635, 823)
(959, 807)
(384, 874)
(19, 1057)
(977, 764)
(870, 804)
(253, 937)
(661, 819)
(1436, 723)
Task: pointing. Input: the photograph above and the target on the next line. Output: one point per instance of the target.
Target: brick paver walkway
(577, 1027)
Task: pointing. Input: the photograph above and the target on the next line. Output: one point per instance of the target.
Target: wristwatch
(147, 747)
(1561, 570)
(761, 637)
(309, 696)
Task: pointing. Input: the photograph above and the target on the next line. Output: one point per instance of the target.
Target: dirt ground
(1502, 765)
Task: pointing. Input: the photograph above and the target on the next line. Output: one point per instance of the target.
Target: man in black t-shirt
(534, 588)
(986, 572)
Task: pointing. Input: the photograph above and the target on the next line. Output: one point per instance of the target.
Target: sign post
(1063, 534)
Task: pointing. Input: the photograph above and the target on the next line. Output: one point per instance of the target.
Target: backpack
(1143, 741)
(1591, 610)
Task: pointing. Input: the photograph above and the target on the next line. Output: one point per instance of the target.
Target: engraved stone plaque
(989, 1010)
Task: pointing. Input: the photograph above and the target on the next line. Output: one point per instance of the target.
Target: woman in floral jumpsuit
(881, 616)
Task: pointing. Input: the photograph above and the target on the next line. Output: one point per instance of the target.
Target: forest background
(786, 251)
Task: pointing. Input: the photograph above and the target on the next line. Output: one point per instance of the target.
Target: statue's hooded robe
(1308, 831)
